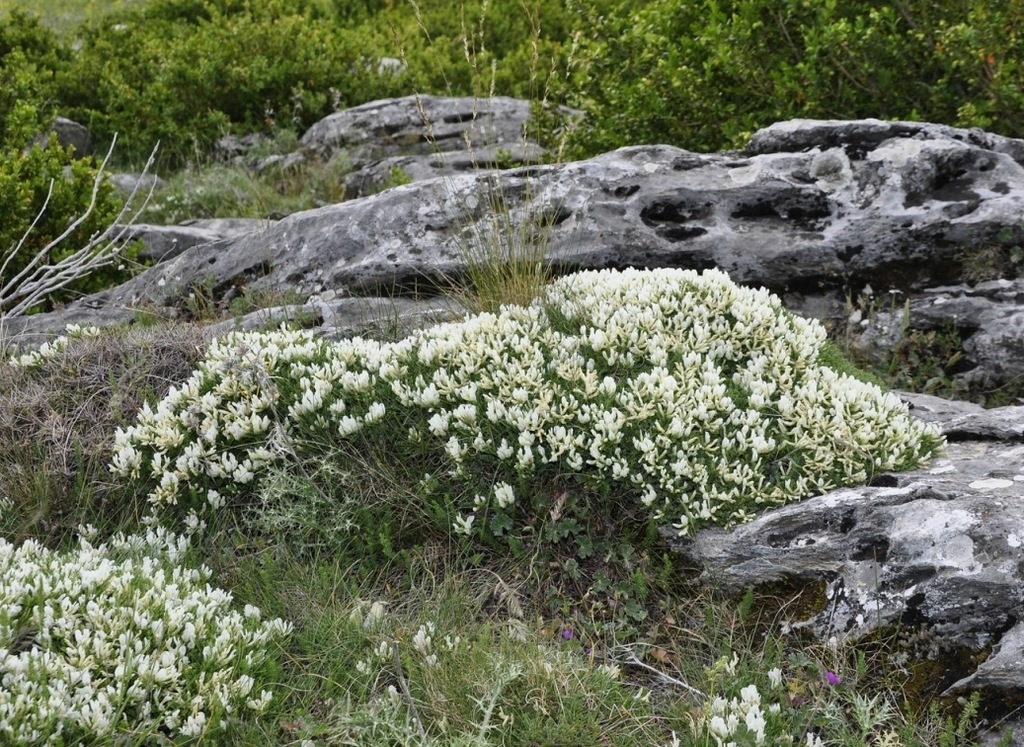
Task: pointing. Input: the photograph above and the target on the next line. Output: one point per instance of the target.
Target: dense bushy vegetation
(700, 75)
(705, 75)
(41, 182)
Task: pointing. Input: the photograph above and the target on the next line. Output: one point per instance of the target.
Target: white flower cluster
(383, 654)
(48, 350)
(728, 715)
(121, 639)
(744, 719)
(702, 399)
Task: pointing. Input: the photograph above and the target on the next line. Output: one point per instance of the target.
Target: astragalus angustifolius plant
(121, 642)
(678, 395)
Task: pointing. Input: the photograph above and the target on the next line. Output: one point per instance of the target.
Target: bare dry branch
(37, 281)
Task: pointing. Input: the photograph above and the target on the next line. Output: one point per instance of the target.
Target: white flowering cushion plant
(679, 395)
(121, 642)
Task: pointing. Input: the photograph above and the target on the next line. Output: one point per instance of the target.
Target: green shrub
(40, 45)
(705, 75)
(665, 396)
(185, 74)
(502, 47)
(44, 181)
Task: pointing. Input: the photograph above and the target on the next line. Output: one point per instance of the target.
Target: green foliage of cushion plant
(665, 395)
(705, 75)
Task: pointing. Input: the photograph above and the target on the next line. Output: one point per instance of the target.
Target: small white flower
(374, 413)
(719, 728)
(464, 525)
(503, 495)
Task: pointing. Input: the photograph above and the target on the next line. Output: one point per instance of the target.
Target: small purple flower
(567, 634)
(832, 678)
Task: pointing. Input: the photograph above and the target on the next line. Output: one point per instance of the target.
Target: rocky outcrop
(819, 212)
(415, 138)
(162, 243)
(936, 552)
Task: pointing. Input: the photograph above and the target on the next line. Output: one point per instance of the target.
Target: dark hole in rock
(908, 577)
(847, 523)
(680, 210)
(682, 233)
(914, 604)
(555, 217)
(687, 162)
(877, 551)
(883, 481)
(457, 118)
(845, 255)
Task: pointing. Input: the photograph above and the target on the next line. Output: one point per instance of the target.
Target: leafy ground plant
(122, 641)
(685, 396)
(219, 190)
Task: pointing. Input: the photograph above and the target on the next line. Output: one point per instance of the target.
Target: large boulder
(415, 138)
(419, 125)
(70, 134)
(817, 211)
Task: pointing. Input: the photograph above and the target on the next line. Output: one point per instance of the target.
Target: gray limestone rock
(415, 138)
(763, 218)
(812, 210)
(382, 318)
(162, 243)
(69, 134)
(937, 551)
(418, 125)
(139, 183)
(988, 318)
(386, 172)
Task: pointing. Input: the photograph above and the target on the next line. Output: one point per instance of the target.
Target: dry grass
(57, 423)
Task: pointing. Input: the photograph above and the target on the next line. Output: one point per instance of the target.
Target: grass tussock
(58, 417)
(254, 187)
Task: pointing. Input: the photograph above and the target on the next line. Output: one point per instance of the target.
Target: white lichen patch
(991, 483)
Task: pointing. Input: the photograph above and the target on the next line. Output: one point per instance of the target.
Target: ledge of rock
(418, 125)
(814, 210)
(162, 243)
(988, 319)
(937, 551)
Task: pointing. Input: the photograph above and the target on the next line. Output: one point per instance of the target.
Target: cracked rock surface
(938, 550)
(814, 210)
